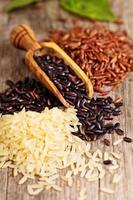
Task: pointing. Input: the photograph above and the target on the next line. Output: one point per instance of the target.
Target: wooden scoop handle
(23, 37)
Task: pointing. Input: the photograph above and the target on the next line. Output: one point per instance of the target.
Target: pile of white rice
(41, 144)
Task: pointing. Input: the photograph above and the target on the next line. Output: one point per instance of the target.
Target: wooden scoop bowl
(23, 37)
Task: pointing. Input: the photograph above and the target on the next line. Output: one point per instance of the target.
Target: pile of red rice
(106, 56)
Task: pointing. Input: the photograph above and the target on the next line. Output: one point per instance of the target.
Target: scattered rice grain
(107, 190)
(116, 155)
(118, 141)
(116, 178)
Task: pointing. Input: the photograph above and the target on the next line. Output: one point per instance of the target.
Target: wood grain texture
(43, 20)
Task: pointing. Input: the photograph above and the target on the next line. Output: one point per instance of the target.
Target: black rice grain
(127, 139)
(107, 162)
(28, 94)
(119, 131)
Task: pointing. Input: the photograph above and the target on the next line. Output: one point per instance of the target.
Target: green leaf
(94, 9)
(14, 4)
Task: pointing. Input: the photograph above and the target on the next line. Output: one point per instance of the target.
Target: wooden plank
(11, 66)
(3, 184)
(124, 189)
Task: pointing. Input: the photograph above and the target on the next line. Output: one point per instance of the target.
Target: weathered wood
(12, 67)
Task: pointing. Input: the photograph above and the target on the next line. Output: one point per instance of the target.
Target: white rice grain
(118, 141)
(116, 178)
(6, 164)
(37, 191)
(70, 181)
(106, 155)
(57, 188)
(83, 195)
(88, 174)
(2, 164)
(116, 155)
(107, 190)
(22, 180)
(69, 174)
(102, 174)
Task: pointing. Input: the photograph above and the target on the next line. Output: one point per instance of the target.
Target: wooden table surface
(42, 19)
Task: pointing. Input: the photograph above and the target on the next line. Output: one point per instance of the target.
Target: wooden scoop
(23, 37)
